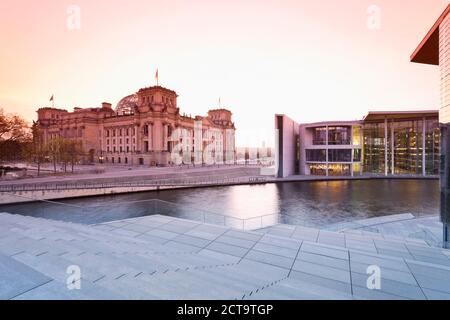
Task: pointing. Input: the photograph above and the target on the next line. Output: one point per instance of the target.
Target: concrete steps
(373, 243)
(293, 289)
(215, 282)
(199, 261)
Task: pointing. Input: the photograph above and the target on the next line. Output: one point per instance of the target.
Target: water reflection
(308, 203)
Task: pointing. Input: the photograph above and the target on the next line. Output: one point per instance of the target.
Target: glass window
(339, 170)
(408, 153)
(340, 155)
(432, 147)
(373, 161)
(356, 169)
(339, 135)
(405, 147)
(356, 136)
(356, 155)
(316, 155)
(317, 169)
(320, 136)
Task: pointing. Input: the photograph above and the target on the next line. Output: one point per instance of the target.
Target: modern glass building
(401, 143)
(330, 149)
(383, 143)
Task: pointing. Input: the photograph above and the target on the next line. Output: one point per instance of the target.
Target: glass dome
(127, 105)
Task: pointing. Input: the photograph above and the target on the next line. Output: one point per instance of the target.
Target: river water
(308, 203)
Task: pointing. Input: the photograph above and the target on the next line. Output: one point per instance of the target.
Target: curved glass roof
(127, 105)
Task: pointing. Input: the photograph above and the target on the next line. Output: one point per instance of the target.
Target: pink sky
(312, 60)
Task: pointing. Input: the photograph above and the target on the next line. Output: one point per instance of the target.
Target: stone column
(149, 136)
(392, 149)
(163, 137)
(352, 164)
(198, 143)
(166, 140)
(326, 149)
(136, 136)
(157, 133)
(424, 145)
(386, 169)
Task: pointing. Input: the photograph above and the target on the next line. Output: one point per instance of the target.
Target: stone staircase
(158, 257)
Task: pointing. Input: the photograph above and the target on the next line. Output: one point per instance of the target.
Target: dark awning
(428, 50)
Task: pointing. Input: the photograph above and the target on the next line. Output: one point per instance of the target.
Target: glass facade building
(331, 149)
(382, 144)
(401, 143)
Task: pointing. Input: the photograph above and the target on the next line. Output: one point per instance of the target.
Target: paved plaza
(399, 226)
(159, 257)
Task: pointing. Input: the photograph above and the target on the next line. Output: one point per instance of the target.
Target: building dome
(127, 105)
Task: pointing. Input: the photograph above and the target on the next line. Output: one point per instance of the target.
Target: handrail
(163, 207)
(143, 183)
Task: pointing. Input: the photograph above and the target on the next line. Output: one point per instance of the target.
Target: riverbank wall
(31, 193)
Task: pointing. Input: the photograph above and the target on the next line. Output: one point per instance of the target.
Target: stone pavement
(405, 227)
(158, 257)
(427, 228)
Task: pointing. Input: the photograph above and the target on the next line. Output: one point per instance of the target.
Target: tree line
(21, 142)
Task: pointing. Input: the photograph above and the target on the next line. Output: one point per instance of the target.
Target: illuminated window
(356, 136)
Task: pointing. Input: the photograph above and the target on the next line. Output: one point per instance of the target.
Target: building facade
(330, 149)
(383, 143)
(145, 128)
(434, 49)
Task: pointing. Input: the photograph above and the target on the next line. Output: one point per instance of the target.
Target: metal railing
(176, 182)
(112, 211)
(166, 208)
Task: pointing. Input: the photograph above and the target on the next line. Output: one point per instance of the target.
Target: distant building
(146, 128)
(254, 155)
(383, 143)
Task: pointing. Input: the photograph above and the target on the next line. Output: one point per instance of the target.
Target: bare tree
(54, 150)
(74, 151)
(14, 135)
(35, 150)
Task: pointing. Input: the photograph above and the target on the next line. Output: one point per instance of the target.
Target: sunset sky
(311, 60)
